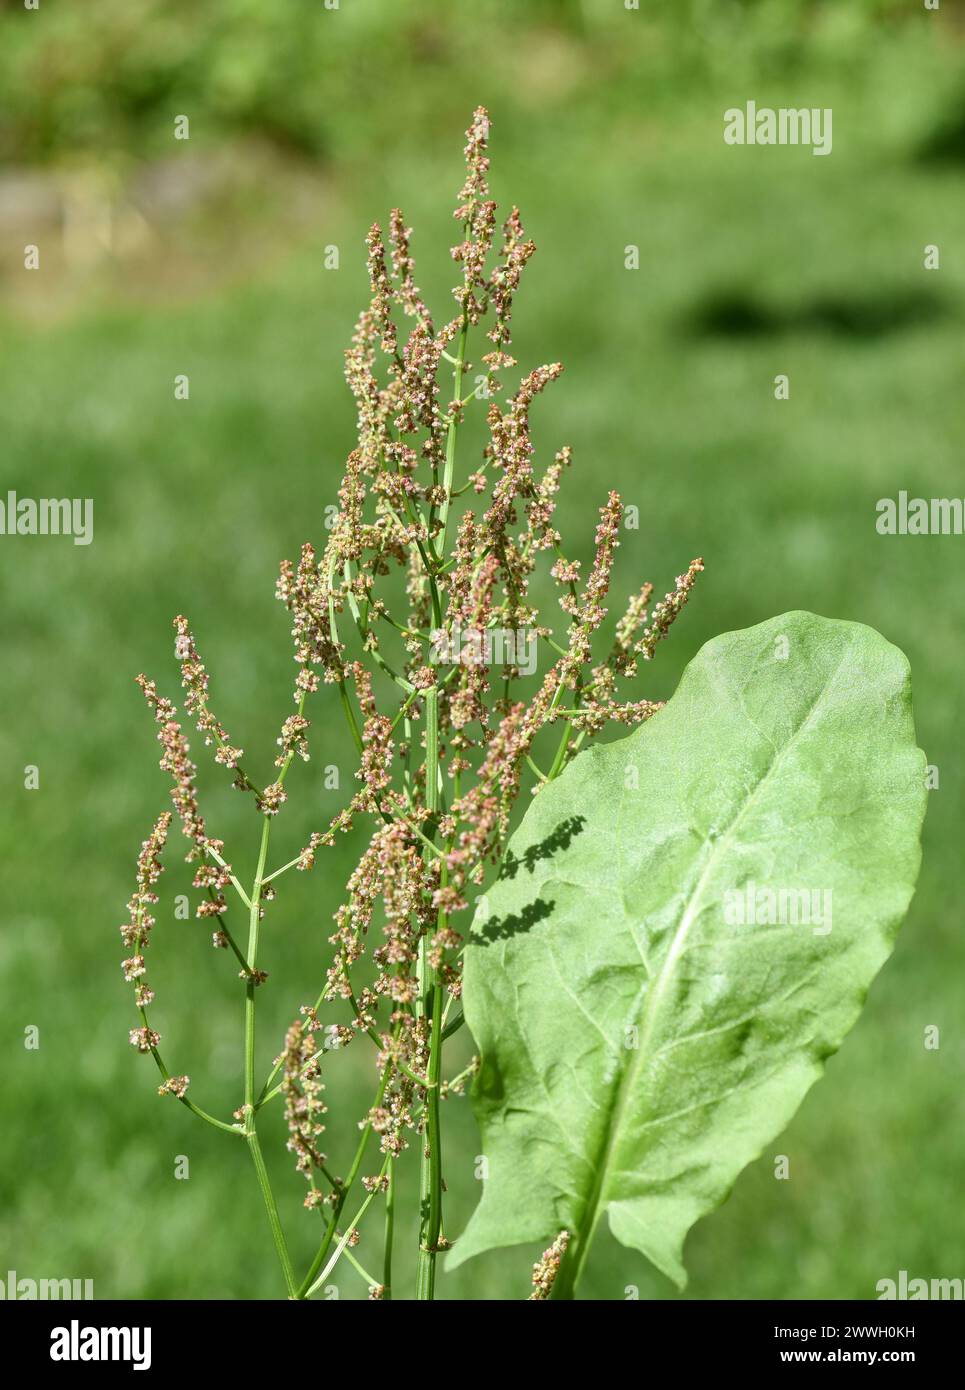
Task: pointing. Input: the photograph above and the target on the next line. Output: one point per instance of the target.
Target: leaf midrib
(626, 1085)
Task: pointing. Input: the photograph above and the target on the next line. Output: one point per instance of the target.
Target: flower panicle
(176, 761)
(194, 679)
(666, 612)
(547, 1267)
(136, 931)
(302, 1091)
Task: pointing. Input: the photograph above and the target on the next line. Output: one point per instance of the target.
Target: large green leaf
(639, 1045)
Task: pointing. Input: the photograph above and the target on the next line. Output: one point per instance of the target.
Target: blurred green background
(206, 257)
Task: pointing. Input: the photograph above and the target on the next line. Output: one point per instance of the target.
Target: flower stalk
(447, 748)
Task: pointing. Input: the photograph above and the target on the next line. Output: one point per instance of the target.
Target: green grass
(196, 502)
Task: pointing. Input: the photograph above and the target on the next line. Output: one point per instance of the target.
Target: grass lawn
(753, 262)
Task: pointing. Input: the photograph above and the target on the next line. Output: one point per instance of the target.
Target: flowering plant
(446, 749)
(440, 774)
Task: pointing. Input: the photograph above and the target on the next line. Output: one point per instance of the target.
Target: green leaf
(639, 1044)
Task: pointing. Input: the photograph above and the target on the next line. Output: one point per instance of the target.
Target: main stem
(450, 462)
(250, 1132)
(571, 1265)
(430, 1184)
(389, 1234)
(432, 1154)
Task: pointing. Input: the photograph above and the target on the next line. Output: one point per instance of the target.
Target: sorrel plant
(446, 751)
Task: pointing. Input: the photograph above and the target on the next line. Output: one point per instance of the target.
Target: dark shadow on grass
(944, 147)
(744, 314)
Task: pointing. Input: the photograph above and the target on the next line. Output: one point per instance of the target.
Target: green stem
(237, 886)
(343, 1242)
(450, 463)
(343, 695)
(283, 870)
(308, 1283)
(273, 1219)
(250, 1132)
(350, 714)
(430, 1221)
(389, 1234)
(254, 920)
(265, 1095)
(430, 1003)
(449, 1028)
(429, 1196)
(357, 1265)
(433, 1218)
(397, 1061)
(560, 759)
(571, 1267)
(189, 1104)
(363, 631)
(203, 1115)
(463, 1076)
